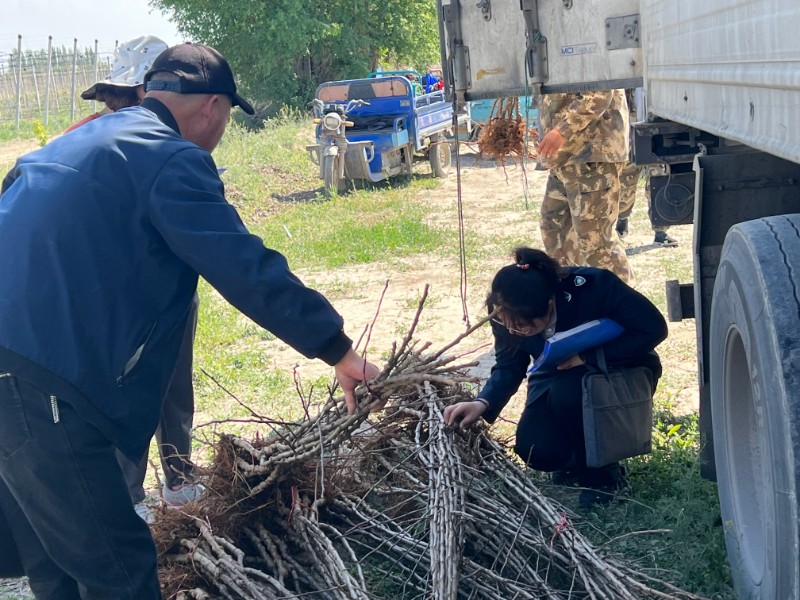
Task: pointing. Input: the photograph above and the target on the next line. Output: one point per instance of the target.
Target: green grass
(679, 507)
(359, 228)
(273, 183)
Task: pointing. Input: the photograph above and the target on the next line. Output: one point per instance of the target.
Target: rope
(527, 136)
(462, 245)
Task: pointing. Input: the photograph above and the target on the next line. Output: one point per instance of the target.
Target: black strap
(602, 366)
(167, 86)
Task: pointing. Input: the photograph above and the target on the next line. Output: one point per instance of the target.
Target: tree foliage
(281, 49)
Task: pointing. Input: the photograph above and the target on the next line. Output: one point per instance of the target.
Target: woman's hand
(573, 361)
(464, 413)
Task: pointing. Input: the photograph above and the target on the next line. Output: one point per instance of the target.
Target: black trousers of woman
(550, 432)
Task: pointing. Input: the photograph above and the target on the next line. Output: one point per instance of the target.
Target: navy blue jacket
(103, 233)
(585, 294)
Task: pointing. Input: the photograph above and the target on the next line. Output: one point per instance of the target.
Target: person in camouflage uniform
(628, 181)
(585, 145)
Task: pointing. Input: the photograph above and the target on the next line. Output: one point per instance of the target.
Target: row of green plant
(36, 130)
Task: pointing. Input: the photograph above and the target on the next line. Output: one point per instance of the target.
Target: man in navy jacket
(102, 236)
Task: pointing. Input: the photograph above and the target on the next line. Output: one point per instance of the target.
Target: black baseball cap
(201, 69)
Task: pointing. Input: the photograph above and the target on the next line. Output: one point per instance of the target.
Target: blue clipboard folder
(567, 343)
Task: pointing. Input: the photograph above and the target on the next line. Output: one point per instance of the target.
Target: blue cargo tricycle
(371, 129)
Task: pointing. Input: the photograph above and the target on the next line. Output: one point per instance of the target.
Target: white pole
(19, 80)
(35, 82)
(47, 79)
(74, 79)
(94, 106)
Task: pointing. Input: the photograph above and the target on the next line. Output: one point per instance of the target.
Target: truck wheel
(755, 403)
(440, 156)
(330, 174)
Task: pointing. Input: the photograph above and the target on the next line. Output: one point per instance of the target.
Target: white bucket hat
(131, 61)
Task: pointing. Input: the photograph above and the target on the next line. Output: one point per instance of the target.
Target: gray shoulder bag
(617, 412)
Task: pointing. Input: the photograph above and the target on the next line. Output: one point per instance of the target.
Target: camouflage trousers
(628, 182)
(579, 214)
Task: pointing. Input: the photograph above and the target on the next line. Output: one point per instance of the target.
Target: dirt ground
(9, 151)
(494, 204)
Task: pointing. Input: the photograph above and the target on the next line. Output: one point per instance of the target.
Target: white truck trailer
(722, 87)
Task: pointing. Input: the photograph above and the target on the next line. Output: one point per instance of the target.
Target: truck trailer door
(503, 48)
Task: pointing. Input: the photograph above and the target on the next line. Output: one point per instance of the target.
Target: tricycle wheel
(440, 156)
(330, 173)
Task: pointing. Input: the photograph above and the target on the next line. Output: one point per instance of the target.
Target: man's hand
(550, 144)
(350, 371)
(464, 413)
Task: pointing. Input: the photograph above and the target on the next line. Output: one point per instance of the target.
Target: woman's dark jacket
(585, 294)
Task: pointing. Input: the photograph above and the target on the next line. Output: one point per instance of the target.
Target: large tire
(440, 156)
(330, 176)
(755, 403)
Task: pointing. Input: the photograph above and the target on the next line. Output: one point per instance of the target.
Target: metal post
(35, 83)
(94, 105)
(58, 82)
(47, 79)
(74, 79)
(7, 95)
(19, 80)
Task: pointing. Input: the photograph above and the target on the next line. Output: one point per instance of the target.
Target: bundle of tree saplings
(389, 504)
(506, 133)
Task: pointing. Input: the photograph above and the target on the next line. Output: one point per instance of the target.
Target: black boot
(566, 477)
(665, 240)
(603, 485)
(622, 227)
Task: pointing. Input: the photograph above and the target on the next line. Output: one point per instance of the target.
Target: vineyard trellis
(40, 83)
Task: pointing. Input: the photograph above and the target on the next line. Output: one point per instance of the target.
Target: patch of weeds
(338, 289)
(350, 229)
(412, 302)
(40, 132)
(671, 526)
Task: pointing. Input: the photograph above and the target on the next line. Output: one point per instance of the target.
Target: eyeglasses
(522, 330)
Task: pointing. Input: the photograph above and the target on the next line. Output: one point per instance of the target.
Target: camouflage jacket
(594, 126)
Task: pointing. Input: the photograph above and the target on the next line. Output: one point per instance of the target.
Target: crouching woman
(534, 298)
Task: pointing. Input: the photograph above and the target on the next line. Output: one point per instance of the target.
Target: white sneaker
(185, 493)
(145, 511)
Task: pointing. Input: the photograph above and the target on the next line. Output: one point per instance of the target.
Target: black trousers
(174, 433)
(550, 430)
(64, 502)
